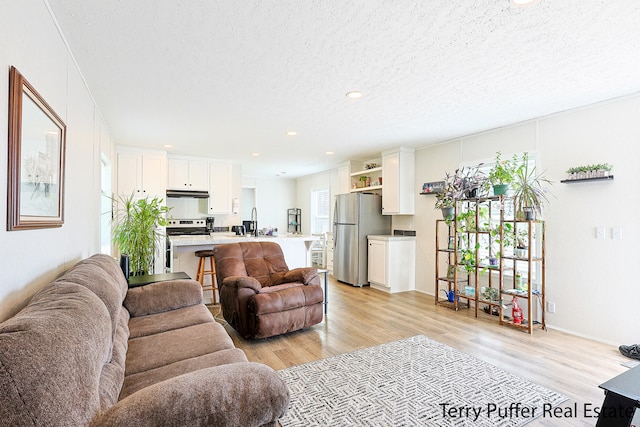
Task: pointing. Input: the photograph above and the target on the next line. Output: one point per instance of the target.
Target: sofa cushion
(153, 351)
(138, 381)
(168, 320)
(112, 376)
(51, 358)
(101, 274)
(162, 296)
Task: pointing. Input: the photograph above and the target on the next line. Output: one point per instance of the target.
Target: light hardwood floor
(363, 317)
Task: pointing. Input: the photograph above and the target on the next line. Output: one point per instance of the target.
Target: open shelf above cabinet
(367, 171)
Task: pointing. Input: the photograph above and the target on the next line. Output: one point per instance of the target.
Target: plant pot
(493, 261)
(447, 212)
(472, 194)
(521, 252)
(500, 189)
(529, 214)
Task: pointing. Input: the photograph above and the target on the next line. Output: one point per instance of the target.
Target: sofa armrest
(304, 275)
(237, 394)
(159, 297)
(238, 282)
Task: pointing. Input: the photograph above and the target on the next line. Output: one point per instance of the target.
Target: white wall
(303, 195)
(591, 281)
(273, 197)
(30, 259)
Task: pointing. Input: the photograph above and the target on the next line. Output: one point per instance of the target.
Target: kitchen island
(295, 247)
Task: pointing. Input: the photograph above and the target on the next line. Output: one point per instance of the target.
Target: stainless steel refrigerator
(355, 216)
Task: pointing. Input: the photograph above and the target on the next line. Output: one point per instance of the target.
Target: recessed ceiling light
(255, 154)
(328, 152)
(292, 133)
(168, 146)
(354, 94)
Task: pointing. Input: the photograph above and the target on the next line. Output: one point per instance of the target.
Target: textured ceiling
(228, 78)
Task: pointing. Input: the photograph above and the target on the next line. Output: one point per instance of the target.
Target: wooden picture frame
(35, 170)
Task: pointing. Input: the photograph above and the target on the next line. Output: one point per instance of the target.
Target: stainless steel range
(187, 227)
(182, 227)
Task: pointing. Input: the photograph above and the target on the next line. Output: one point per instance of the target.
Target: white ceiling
(225, 78)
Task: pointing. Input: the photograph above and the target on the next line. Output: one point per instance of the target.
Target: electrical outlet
(601, 233)
(551, 307)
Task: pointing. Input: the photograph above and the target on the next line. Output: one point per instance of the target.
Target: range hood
(187, 193)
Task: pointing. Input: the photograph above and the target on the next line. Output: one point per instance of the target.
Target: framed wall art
(37, 137)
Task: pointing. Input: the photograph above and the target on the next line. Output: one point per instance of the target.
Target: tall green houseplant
(136, 230)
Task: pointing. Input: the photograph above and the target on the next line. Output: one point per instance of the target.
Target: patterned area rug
(411, 382)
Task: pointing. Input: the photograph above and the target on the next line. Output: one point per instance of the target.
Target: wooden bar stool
(201, 273)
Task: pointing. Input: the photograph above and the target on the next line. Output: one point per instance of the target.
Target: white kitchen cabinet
(398, 181)
(141, 173)
(220, 178)
(377, 262)
(344, 179)
(392, 263)
(187, 174)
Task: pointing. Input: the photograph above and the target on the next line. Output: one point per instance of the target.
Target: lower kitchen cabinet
(392, 263)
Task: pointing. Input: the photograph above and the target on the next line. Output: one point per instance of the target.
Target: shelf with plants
(449, 280)
(596, 178)
(498, 245)
(527, 278)
(477, 222)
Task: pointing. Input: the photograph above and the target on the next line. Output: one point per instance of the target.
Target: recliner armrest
(304, 275)
(236, 394)
(242, 282)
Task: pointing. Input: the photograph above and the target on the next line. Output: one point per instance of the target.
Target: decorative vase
(447, 212)
(500, 189)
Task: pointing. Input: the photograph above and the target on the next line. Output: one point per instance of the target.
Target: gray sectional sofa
(87, 350)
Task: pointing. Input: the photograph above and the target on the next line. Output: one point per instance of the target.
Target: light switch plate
(601, 233)
(616, 233)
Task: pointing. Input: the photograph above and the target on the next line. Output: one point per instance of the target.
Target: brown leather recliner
(260, 296)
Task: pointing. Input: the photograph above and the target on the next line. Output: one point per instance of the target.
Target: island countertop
(221, 238)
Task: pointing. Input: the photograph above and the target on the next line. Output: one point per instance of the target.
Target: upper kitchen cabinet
(398, 181)
(187, 174)
(140, 172)
(220, 178)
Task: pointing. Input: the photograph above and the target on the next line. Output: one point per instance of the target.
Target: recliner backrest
(263, 261)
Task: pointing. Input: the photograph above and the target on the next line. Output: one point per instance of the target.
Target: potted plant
(471, 181)
(136, 230)
(502, 174)
(528, 190)
(446, 198)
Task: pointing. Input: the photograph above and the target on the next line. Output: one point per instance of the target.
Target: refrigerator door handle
(335, 227)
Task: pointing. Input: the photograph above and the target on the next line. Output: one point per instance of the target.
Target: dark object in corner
(124, 265)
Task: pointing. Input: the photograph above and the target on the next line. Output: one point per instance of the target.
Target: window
(319, 211)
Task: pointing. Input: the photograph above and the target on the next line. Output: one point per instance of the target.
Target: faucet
(254, 220)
